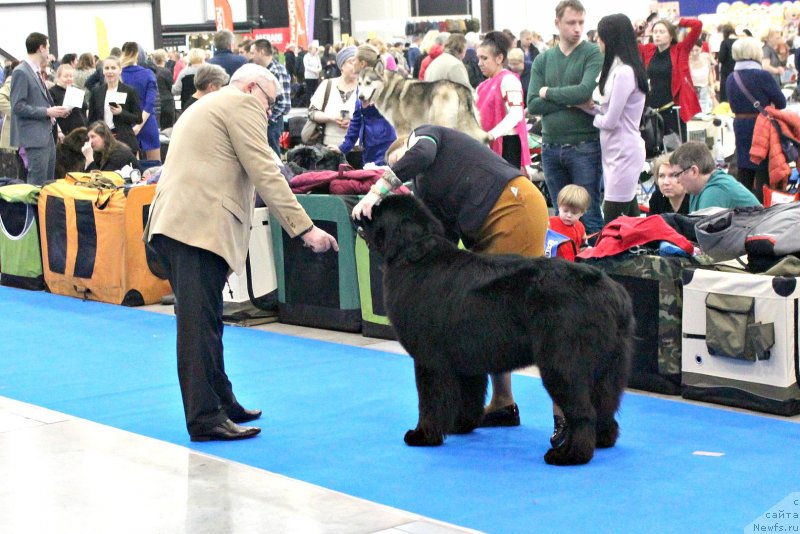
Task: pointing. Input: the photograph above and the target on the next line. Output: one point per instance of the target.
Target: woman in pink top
(500, 102)
(621, 95)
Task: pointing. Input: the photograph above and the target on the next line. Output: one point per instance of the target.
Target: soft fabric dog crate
(654, 284)
(254, 293)
(92, 243)
(20, 252)
(740, 340)
(374, 322)
(319, 290)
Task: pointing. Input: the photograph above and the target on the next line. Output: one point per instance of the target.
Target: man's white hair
(250, 72)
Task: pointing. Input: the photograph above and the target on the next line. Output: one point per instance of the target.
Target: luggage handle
(102, 205)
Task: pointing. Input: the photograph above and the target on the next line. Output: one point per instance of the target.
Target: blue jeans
(578, 164)
(274, 135)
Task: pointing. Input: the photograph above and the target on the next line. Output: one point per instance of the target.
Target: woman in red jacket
(667, 64)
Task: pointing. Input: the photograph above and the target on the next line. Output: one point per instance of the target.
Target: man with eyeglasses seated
(707, 186)
(199, 229)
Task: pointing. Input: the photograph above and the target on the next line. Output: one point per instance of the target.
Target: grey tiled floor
(60, 474)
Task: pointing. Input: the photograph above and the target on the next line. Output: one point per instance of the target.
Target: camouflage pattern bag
(654, 284)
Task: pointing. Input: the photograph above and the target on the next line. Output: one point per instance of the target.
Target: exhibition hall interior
(399, 267)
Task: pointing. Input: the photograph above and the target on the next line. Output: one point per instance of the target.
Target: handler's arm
(417, 159)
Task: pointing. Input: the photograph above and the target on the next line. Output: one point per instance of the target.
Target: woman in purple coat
(144, 81)
(621, 92)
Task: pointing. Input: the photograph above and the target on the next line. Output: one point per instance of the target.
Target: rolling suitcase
(740, 341)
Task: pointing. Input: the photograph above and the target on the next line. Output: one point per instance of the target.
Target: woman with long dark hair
(621, 93)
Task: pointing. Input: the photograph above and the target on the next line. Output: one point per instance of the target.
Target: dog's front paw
(420, 438)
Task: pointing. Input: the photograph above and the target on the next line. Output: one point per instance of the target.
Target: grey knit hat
(344, 54)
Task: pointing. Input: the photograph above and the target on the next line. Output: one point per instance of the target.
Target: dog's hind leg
(574, 399)
(473, 395)
(439, 398)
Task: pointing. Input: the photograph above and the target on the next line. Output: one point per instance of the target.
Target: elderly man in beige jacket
(199, 227)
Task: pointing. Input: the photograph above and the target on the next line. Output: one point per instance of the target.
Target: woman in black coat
(120, 118)
(76, 118)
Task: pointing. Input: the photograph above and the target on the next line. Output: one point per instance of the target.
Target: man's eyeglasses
(676, 175)
(270, 100)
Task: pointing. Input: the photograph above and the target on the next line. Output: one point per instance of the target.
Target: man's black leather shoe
(227, 431)
(243, 415)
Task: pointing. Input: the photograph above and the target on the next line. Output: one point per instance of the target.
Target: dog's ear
(379, 68)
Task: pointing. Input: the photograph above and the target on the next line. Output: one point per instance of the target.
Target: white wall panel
(124, 22)
(185, 12)
(386, 19)
(17, 23)
(238, 9)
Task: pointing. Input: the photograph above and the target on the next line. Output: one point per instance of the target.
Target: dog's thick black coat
(462, 315)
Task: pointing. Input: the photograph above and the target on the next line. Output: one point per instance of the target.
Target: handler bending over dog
(482, 200)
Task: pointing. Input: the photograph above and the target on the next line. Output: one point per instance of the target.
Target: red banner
(222, 15)
(298, 33)
(278, 37)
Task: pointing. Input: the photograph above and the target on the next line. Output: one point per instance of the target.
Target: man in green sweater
(708, 186)
(561, 78)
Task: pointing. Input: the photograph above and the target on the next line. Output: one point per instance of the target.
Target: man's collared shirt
(283, 102)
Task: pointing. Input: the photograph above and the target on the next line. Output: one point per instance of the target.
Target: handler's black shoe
(227, 431)
(559, 431)
(506, 416)
(243, 415)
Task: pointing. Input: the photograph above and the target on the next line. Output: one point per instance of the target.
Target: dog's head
(399, 224)
(74, 141)
(371, 82)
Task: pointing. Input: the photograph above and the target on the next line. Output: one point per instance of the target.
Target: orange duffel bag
(92, 242)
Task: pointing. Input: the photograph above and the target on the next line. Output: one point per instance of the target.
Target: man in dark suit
(199, 225)
(34, 113)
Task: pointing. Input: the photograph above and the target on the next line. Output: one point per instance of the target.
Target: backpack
(731, 233)
(651, 127)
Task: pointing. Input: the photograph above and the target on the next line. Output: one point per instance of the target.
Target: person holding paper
(34, 113)
(116, 104)
(65, 94)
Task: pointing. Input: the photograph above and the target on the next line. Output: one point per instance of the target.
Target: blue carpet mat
(335, 416)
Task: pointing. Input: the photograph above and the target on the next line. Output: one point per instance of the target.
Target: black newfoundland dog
(462, 315)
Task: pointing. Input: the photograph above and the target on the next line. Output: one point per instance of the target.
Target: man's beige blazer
(218, 155)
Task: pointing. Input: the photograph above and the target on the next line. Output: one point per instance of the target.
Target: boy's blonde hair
(574, 197)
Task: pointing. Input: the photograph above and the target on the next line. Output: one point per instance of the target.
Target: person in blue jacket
(143, 80)
(367, 126)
